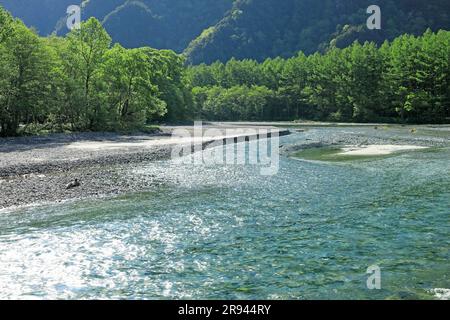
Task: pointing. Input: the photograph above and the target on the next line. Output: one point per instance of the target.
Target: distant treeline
(407, 80)
(82, 82)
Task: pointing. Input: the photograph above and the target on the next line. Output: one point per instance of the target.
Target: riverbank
(38, 169)
(319, 225)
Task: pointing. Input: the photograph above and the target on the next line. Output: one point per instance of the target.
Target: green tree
(88, 45)
(131, 97)
(5, 24)
(235, 103)
(25, 79)
(169, 76)
(69, 93)
(417, 77)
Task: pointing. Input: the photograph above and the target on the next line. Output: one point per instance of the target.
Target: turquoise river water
(227, 232)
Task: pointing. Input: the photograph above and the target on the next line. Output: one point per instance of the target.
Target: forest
(84, 82)
(406, 80)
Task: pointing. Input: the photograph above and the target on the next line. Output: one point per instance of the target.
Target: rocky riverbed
(38, 169)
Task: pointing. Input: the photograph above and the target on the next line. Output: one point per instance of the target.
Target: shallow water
(309, 232)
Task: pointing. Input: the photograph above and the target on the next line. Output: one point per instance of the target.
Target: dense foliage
(406, 80)
(80, 82)
(83, 82)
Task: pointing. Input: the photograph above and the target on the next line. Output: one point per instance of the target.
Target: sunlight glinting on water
(310, 231)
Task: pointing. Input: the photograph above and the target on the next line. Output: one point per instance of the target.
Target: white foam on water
(441, 293)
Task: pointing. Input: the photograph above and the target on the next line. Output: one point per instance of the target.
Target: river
(227, 232)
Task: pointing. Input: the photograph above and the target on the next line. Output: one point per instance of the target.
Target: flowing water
(309, 232)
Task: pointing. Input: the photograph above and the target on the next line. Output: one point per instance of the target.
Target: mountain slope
(168, 24)
(162, 24)
(266, 28)
(210, 30)
(40, 14)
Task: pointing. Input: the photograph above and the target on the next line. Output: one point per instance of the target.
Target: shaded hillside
(43, 15)
(269, 28)
(210, 30)
(169, 24)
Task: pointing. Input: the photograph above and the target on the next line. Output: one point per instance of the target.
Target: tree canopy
(83, 82)
(405, 80)
(80, 82)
